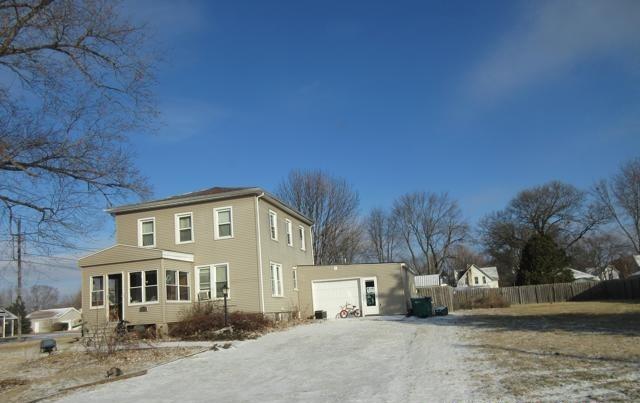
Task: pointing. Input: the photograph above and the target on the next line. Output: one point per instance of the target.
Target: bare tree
(71, 300)
(76, 82)
(381, 236)
(430, 225)
(597, 252)
(333, 206)
(42, 297)
(620, 197)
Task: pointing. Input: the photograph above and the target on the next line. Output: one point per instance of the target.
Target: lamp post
(225, 294)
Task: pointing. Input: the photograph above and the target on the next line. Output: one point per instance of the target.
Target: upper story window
(178, 287)
(147, 232)
(303, 244)
(143, 286)
(289, 232)
(273, 225)
(223, 222)
(97, 291)
(184, 227)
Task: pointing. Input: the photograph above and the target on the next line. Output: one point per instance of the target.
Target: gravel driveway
(367, 360)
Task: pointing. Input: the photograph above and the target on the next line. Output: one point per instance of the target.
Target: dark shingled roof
(205, 192)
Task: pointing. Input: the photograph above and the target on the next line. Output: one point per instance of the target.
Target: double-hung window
(289, 232)
(303, 245)
(276, 280)
(475, 279)
(484, 280)
(212, 280)
(295, 278)
(143, 286)
(147, 232)
(178, 288)
(97, 291)
(223, 222)
(273, 225)
(184, 228)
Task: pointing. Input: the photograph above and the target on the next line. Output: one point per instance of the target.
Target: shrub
(486, 301)
(204, 320)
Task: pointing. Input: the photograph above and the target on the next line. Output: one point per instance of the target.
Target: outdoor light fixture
(225, 294)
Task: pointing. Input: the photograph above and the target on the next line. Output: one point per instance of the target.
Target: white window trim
(212, 279)
(275, 225)
(295, 278)
(104, 292)
(279, 266)
(155, 231)
(303, 238)
(289, 228)
(144, 275)
(176, 224)
(216, 228)
(177, 301)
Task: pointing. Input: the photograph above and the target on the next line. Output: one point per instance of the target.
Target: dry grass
(25, 374)
(562, 351)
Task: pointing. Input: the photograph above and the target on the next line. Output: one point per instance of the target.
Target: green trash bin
(422, 307)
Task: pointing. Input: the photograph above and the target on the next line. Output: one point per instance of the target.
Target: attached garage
(375, 289)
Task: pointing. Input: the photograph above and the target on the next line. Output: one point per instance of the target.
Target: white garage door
(330, 296)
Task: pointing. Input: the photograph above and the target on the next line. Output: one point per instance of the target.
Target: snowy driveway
(345, 360)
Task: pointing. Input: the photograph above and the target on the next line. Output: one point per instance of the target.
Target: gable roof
(580, 275)
(6, 314)
(205, 195)
(51, 313)
(491, 272)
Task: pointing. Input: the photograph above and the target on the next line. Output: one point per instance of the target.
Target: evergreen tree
(543, 262)
(18, 309)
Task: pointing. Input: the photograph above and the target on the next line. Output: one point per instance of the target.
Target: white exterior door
(331, 296)
(371, 303)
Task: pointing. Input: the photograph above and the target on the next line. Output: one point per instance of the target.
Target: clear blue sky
(480, 99)
(477, 98)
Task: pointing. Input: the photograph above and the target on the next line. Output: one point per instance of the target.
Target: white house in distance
(8, 323)
(582, 276)
(609, 273)
(43, 321)
(475, 276)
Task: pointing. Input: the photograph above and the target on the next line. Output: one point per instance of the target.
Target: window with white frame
(276, 280)
(289, 232)
(184, 227)
(97, 291)
(303, 245)
(295, 278)
(178, 288)
(223, 224)
(273, 225)
(143, 286)
(212, 280)
(147, 232)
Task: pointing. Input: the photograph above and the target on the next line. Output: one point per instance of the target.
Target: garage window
(276, 280)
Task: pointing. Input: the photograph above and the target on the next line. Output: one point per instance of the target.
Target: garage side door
(331, 295)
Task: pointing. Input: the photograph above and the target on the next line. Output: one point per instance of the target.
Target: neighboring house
(173, 252)
(43, 321)
(429, 280)
(8, 323)
(582, 276)
(475, 276)
(609, 273)
(634, 275)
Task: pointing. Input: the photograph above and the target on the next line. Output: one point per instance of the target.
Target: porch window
(184, 228)
(223, 222)
(147, 232)
(178, 288)
(276, 280)
(97, 291)
(143, 286)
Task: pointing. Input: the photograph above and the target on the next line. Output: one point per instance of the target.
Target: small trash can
(441, 311)
(422, 307)
(321, 314)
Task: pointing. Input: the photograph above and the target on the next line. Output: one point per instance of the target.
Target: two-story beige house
(175, 251)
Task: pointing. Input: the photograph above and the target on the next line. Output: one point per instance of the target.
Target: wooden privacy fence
(455, 298)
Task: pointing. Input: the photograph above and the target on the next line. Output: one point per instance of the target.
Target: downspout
(259, 243)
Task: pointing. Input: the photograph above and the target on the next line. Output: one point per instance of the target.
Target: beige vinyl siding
(279, 252)
(240, 252)
(393, 281)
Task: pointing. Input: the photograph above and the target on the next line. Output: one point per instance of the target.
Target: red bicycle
(349, 310)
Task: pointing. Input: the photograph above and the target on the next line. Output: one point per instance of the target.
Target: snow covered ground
(354, 360)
